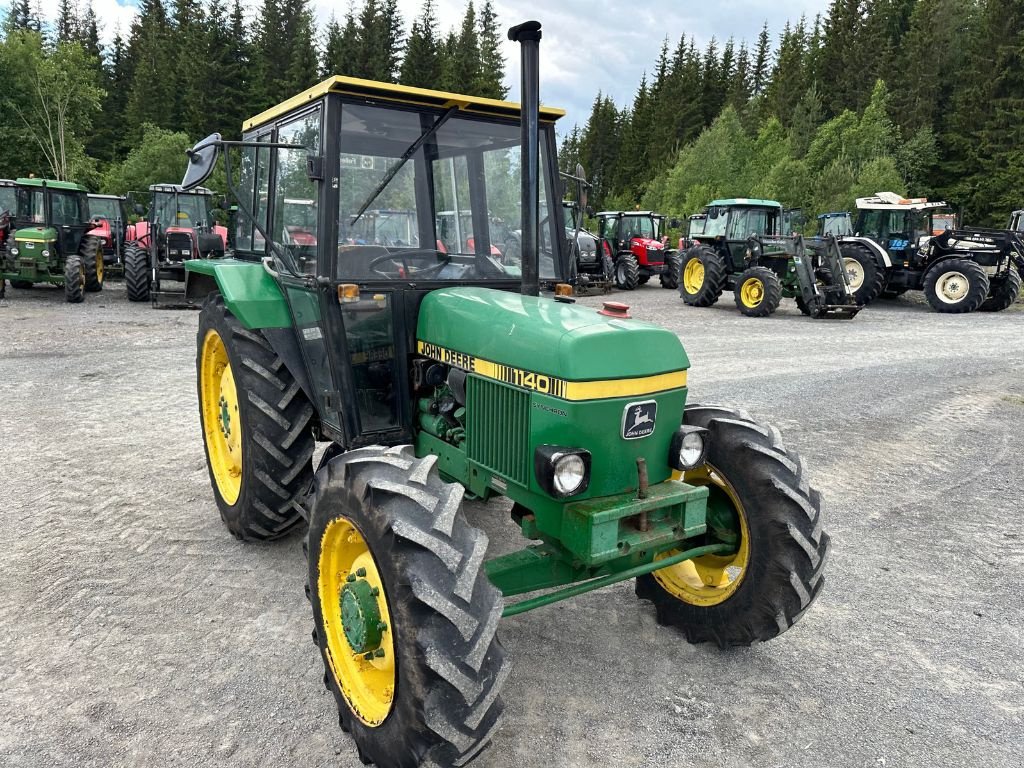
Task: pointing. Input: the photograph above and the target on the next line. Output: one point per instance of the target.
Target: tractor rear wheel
(761, 503)
(91, 252)
(405, 618)
(758, 292)
(1003, 291)
(74, 279)
(670, 275)
(956, 286)
(136, 273)
(702, 277)
(627, 272)
(256, 424)
(866, 276)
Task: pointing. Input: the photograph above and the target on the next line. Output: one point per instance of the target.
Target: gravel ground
(137, 632)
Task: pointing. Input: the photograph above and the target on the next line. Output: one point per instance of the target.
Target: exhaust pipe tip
(528, 30)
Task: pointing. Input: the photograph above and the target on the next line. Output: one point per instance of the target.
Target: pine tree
(711, 98)
(66, 28)
(762, 62)
(490, 81)
(88, 32)
(422, 64)
(151, 91)
(461, 67)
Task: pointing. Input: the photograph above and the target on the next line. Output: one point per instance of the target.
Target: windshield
(569, 211)
(640, 226)
(836, 225)
(449, 211)
(8, 200)
(181, 210)
(745, 222)
(104, 208)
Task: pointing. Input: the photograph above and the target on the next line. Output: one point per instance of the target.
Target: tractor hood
(570, 341)
(646, 242)
(36, 234)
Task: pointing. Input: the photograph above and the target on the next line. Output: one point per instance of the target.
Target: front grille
(497, 427)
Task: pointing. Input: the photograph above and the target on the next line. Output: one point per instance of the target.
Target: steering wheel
(425, 253)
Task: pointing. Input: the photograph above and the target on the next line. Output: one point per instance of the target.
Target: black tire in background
(74, 279)
(705, 291)
(91, 252)
(1002, 292)
(136, 273)
(870, 273)
(449, 663)
(275, 419)
(787, 548)
(627, 272)
(955, 286)
(670, 276)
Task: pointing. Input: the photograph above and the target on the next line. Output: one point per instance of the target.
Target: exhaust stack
(528, 36)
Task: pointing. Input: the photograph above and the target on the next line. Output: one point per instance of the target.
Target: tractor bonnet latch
(615, 309)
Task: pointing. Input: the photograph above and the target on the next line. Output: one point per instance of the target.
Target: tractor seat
(354, 260)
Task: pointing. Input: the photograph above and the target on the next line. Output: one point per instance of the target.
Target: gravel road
(137, 632)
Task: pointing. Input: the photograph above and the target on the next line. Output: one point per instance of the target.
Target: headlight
(562, 471)
(689, 447)
(46, 254)
(14, 251)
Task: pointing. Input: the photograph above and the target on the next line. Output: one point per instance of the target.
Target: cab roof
(7, 182)
(398, 94)
(890, 201)
(752, 201)
(177, 188)
(630, 213)
(104, 197)
(34, 182)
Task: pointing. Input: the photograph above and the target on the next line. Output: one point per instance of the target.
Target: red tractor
(179, 227)
(636, 244)
(110, 212)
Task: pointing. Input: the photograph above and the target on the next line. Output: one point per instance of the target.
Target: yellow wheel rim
(693, 276)
(752, 292)
(99, 267)
(365, 672)
(712, 579)
(222, 427)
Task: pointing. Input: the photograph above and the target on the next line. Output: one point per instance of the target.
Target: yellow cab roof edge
(398, 93)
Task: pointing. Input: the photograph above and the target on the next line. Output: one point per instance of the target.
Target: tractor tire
(866, 275)
(802, 306)
(759, 487)
(702, 277)
(383, 525)
(956, 286)
(607, 267)
(670, 276)
(643, 279)
(627, 272)
(758, 292)
(1002, 292)
(22, 285)
(74, 279)
(257, 427)
(136, 273)
(91, 252)
(3, 287)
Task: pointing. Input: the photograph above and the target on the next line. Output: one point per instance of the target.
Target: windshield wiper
(393, 171)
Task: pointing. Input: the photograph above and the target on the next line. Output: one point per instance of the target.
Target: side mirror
(590, 212)
(582, 176)
(223, 204)
(674, 223)
(139, 210)
(713, 213)
(201, 159)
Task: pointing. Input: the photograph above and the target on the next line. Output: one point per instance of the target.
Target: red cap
(615, 309)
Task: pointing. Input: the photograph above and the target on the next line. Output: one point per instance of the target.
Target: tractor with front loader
(738, 244)
(51, 240)
(179, 227)
(636, 244)
(902, 244)
(438, 375)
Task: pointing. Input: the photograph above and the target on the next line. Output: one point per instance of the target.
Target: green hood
(37, 234)
(569, 341)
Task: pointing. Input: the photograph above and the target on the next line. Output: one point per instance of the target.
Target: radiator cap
(615, 309)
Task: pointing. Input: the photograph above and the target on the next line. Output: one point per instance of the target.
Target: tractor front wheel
(256, 424)
(760, 504)
(74, 279)
(864, 273)
(702, 277)
(1003, 291)
(405, 618)
(670, 274)
(956, 286)
(91, 252)
(627, 272)
(758, 292)
(136, 273)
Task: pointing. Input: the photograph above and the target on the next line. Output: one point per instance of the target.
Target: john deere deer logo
(638, 419)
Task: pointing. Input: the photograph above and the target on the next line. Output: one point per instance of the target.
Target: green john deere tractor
(50, 240)
(441, 374)
(744, 245)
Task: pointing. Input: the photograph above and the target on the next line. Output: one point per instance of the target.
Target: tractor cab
(837, 223)
(899, 225)
(50, 239)
(110, 213)
(635, 242)
(728, 224)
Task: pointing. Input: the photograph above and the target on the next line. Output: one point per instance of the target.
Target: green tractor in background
(442, 374)
(745, 245)
(51, 240)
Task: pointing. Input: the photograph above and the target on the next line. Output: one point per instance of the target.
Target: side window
(454, 225)
(715, 223)
(246, 183)
(295, 195)
(262, 204)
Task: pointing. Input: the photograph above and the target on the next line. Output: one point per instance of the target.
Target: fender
(249, 292)
(875, 248)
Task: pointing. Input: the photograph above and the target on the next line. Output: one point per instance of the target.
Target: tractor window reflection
(185, 211)
(8, 201)
(745, 222)
(295, 195)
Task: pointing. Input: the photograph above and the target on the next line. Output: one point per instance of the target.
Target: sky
(587, 45)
